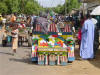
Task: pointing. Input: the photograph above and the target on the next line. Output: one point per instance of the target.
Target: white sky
(51, 3)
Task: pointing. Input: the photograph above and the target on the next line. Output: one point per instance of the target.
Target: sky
(50, 3)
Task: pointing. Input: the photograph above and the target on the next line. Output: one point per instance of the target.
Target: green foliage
(3, 7)
(15, 6)
(12, 5)
(68, 6)
(20, 6)
(32, 7)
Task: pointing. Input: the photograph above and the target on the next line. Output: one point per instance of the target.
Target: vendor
(15, 38)
(13, 18)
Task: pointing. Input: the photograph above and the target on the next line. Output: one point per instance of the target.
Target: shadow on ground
(95, 62)
(26, 59)
(6, 53)
(23, 60)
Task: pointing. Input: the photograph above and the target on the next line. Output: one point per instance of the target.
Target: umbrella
(96, 11)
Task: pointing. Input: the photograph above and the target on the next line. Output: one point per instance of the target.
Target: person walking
(14, 38)
(96, 35)
(86, 49)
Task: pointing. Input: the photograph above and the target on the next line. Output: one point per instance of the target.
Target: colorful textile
(43, 22)
(79, 34)
(64, 60)
(38, 28)
(53, 28)
(34, 53)
(71, 56)
(67, 28)
(52, 59)
(15, 33)
(41, 59)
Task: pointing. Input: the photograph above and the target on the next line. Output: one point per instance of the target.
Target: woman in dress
(15, 38)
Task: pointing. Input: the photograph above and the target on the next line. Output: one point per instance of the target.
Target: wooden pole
(65, 7)
(83, 9)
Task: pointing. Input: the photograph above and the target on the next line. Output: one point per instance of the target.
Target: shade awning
(96, 11)
(87, 1)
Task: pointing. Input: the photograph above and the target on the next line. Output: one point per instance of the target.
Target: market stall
(53, 48)
(23, 32)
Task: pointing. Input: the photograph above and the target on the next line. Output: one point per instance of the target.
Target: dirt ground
(20, 64)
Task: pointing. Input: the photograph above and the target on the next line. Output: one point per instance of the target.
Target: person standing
(14, 38)
(86, 49)
(96, 35)
(1, 19)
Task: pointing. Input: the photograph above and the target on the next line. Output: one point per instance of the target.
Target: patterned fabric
(53, 28)
(38, 28)
(15, 33)
(41, 59)
(67, 28)
(43, 23)
(34, 53)
(71, 56)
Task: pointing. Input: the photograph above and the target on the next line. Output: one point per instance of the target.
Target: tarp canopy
(96, 11)
(87, 1)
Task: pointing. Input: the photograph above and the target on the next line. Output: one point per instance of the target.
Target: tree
(32, 7)
(3, 7)
(68, 6)
(20, 6)
(12, 5)
(15, 6)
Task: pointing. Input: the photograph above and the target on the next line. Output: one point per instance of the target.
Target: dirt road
(21, 64)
